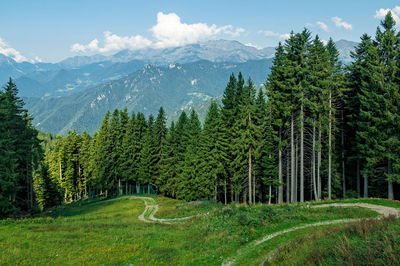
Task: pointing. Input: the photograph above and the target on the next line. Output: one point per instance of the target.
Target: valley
(199, 133)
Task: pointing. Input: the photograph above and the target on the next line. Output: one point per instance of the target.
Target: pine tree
(213, 155)
(387, 44)
(246, 135)
(228, 112)
(103, 161)
(84, 161)
(20, 152)
(276, 95)
(266, 153)
(370, 144)
(46, 190)
(354, 78)
(146, 167)
(168, 171)
(159, 135)
(189, 188)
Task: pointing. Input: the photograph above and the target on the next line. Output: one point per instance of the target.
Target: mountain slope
(82, 72)
(174, 87)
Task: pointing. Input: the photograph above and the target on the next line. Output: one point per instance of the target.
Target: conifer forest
(317, 129)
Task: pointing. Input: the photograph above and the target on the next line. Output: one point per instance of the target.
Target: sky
(51, 31)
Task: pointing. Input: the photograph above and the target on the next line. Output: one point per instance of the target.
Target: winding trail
(151, 208)
(383, 210)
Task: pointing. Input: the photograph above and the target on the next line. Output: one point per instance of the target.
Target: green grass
(172, 208)
(109, 232)
(368, 242)
(383, 202)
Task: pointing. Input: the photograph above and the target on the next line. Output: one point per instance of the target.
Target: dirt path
(151, 209)
(383, 210)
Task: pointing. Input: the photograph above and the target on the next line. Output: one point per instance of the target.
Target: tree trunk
(287, 176)
(319, 153)
(254, 188)
(313, 164)
(302, 155)
(225, 198)
(390, 184)
(29, 192)
(215, 192)
(270, 194)
(358, 178)
(250, 183)
(250, 171)
(330, 148)
(365, 186)
(280, 192)
(296, 172)
(232, 199)
(292, 159)
(343, 169)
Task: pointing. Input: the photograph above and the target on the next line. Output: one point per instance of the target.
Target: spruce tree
(159, 135)
(189, 187)
(213, 155)
(276, 94)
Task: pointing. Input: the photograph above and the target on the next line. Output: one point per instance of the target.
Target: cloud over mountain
(7, 50)
(169, 31)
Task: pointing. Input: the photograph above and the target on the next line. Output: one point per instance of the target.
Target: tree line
(20, 153)
(316, 129)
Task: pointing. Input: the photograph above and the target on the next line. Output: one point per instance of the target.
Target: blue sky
(53, 30)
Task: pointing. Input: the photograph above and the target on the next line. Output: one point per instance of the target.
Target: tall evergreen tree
(213, 155)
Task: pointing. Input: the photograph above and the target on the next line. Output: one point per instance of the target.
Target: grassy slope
(368, 242)
(110, 233)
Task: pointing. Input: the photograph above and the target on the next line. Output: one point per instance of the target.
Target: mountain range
(174, 87)
(76, 92)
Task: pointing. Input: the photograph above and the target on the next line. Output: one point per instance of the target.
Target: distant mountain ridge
(174, 87)
(80, 72)
(76, 92)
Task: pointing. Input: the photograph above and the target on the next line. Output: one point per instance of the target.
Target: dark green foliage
(374, 103)
(20, 152)
(213, 153)
(305, 133)
(47, 191)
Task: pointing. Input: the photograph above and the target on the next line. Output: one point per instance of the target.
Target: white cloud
(381, 13)
(341, 24)
(37, 59)
(322, 25)
(253, 45)
(269, 33)
(113, 42)
(168, 32)
(6, 50)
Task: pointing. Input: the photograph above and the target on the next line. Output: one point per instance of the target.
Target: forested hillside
(175, 86)
(319, 130)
